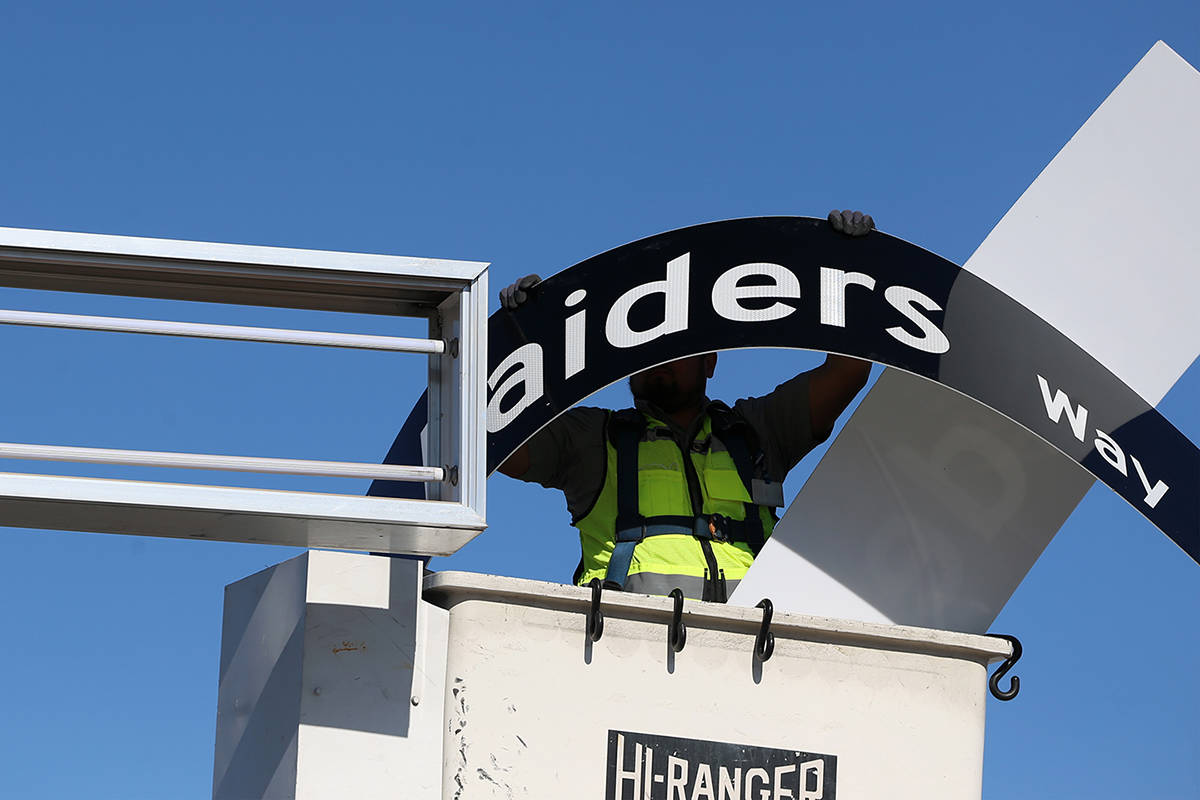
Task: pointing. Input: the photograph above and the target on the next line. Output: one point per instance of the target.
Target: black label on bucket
(641, 765)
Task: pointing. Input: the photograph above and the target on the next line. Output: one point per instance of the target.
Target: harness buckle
(717, 528)
(632, 530)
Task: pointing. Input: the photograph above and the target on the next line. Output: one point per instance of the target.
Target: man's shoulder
(585, 414)
(744, 409)
(789, 396)
(579, 420)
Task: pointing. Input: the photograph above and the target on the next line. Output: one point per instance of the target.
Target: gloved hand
(515, 295)
(851, 223)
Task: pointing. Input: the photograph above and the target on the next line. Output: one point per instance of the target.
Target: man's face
(675, 385)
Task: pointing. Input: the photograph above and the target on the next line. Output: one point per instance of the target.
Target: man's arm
(799, 413)
(568, 454)
(831, 387)
(786, 428)
(516, 465)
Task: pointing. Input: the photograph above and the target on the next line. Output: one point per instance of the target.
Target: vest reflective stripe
(627, 540)
(664, 502)
(656, 583)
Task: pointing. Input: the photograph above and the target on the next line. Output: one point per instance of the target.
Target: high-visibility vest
(666, 520)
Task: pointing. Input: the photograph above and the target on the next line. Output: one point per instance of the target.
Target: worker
(680, 491)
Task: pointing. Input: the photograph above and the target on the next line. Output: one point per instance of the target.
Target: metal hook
(677, 633)
(595, 619)
(764, 643)
(1009, 663)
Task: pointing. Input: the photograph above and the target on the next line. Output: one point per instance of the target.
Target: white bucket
(534, 709)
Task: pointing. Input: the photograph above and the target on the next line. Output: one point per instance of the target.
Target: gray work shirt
(569, 453)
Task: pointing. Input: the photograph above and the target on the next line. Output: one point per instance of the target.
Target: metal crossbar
(283, 466)
(237, 332)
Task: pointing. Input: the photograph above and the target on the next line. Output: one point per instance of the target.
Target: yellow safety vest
(662, 521)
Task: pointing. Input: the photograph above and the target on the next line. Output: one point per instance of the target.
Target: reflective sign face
(774, 282)
(641, 766)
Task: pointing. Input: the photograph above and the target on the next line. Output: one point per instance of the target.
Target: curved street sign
(792, 282)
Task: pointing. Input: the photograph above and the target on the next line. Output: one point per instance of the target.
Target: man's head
(675, 385)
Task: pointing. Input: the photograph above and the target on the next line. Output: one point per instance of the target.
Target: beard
(662, 390)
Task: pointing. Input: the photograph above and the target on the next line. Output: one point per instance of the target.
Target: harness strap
(627, 432)
(626, 428)
(732, 431)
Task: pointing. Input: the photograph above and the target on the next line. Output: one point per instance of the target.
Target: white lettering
(907, 301)
(759, 772)
(704, 782)
(1111, 451)
(623, 774)
(529, 376)
(833, 293)
(731, 784)
(575, 354)
(727, 294)
(1060, 403)
(1108, 448)
(782, 793)
(817, 766)
(677, 774)
(1152, 495)
(675, 307)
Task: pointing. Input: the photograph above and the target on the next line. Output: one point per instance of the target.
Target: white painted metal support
(278, 466)
(399, 344)
(333, 673)
(449, 295)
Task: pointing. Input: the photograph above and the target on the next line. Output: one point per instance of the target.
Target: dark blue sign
(794, 282)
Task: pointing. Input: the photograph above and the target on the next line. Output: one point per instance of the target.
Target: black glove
(851, 223)
(513, 296)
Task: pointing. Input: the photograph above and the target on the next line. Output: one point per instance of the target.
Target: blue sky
(530, 136)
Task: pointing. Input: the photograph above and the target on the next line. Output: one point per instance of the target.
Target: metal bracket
(452, 347)
(677, 633)
(451, 474)
(595, 618)
(764, 643)
(1002, 670)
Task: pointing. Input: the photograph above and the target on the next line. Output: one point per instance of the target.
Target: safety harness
(626, 430)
